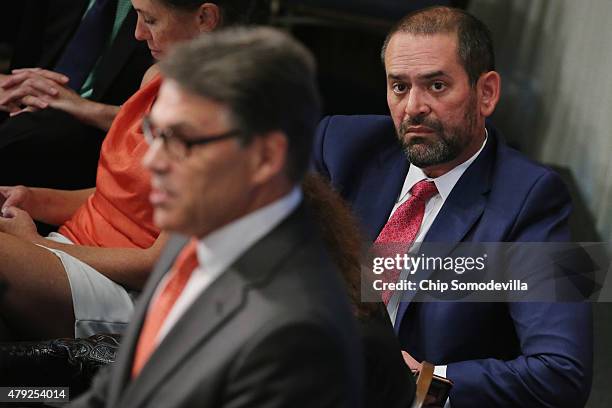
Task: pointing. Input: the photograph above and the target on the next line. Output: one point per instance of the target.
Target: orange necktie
(185, 263)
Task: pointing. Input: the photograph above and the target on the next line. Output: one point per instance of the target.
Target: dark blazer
(498, 354)
(48, 26)
(389, 382)
(55, 141)
(274, 330)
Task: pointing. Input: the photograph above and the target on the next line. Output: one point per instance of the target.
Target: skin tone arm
(126, 266)
(42, 204)
(101, 115)
(92, 113)
(37, 89)
(129, 267)
(38, 301)
(45, 92)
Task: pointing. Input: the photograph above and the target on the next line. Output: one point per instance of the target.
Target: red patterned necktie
(185, 263)
(405, 223)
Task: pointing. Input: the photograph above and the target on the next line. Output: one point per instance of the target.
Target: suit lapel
(224, 298)
(123, 45)
(210, 310)
(59, 29)
(123, 365)
(460, 212)
(467, 200)
(381, 189)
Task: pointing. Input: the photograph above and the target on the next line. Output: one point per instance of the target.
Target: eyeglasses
(176, 147)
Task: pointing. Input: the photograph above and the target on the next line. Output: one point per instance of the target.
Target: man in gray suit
(245, 309)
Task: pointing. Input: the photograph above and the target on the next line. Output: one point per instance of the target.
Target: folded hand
(29, 87)
(17, 222)
(17, 196)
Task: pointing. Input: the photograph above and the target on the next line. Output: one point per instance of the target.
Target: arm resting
(55, 207)
(127, 266)
(554, 370)
(97, 114)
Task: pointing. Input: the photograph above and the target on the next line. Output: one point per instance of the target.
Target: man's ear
(270, 156)
(489, 89)
(209, 17)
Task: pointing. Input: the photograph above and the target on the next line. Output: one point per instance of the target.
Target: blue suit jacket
(498, 354)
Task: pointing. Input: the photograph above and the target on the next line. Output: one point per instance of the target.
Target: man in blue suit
(441, 86)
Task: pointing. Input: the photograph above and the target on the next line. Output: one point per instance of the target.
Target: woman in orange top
(76, 282)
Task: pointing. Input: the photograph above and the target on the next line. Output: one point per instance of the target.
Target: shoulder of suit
(360, 123)
(352, 135)
(520, 165)
(515, 174)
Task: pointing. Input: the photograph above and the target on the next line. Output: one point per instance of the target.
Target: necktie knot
(424, 190)
(403, 227)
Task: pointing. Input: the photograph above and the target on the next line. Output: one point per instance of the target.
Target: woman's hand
(34, 89)
(28, 82)
(17, 222)
(17, 196)
(64, 99)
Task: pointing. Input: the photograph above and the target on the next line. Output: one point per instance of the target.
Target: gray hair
(265, 78)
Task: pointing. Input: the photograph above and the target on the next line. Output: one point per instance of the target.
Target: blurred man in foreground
(244, 309)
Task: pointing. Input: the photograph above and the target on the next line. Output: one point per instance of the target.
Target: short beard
(446, 144)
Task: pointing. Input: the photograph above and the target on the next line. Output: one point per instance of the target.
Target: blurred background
(555, 58)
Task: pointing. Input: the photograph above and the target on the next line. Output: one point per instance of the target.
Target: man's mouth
(158, 196)
(419, 130)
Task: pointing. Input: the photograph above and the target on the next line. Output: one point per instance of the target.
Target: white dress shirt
(220, 249)
(445, 184)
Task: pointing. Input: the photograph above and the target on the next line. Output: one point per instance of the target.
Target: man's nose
(416, 104)
(155, 159)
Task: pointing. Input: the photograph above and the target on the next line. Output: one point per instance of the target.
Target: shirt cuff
(440, 371)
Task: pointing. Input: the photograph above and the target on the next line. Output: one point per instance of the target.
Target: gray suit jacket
(274, 330)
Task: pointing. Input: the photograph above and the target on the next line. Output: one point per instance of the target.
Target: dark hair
(342, 237)
(232, 11)
(474, 43)
(264, 77)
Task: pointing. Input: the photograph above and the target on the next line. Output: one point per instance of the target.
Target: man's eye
(149, 21)
(438, 86)
(399, 88)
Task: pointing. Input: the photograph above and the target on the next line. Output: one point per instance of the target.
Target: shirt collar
(445, 182)
(218, 250)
